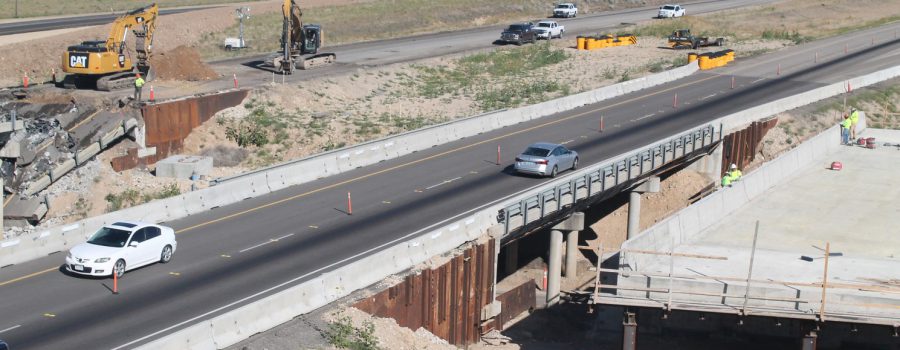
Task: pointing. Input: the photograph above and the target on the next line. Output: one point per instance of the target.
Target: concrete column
(634, 204)
(629, 332)
(710, 165)
(512, 257)
(634, 214)
(554, 271)
(809, 341)
(571, 254)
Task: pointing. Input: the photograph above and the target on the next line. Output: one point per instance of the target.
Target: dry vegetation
(36, 8)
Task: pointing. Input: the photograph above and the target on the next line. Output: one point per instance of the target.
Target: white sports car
(120, 247)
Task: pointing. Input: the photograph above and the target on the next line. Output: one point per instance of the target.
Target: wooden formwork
(447, 300)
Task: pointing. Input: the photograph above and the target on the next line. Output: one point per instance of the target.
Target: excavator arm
(299, 43)
(145, 20)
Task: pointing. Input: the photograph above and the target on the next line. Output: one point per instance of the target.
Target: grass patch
(132, 197)
(342, 334)
(496, 79)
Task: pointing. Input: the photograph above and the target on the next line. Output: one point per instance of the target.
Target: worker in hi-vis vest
(854, 118)
(845, 130)
(735, 173)
(138, 85)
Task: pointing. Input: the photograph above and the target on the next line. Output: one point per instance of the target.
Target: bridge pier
(573, 224)
(554, 267)
(634, 204)
(571, 253)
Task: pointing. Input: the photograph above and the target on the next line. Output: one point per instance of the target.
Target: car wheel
(554, 171)
(519, 43)
(228, 48)
(575, 164)
(166, 254)
(119, 268)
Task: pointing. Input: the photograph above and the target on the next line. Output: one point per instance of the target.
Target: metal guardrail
(599, 178)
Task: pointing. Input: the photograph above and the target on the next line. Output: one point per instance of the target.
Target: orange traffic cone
(152, 96)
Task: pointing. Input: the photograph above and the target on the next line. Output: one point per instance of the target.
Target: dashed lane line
(273, 240)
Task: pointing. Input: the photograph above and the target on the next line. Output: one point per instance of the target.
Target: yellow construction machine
(300, 43)
(107, 63)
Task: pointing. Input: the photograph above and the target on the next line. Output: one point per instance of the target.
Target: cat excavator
(106, 63)
(300, 43)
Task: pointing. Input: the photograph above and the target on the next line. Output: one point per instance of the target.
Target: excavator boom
(300, 42)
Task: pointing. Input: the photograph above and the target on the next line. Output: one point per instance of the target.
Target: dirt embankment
(181, 63)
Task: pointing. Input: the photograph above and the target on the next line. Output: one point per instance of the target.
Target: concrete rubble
(39, 140)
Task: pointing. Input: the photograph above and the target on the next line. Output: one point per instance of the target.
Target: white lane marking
(566, 142)
(757, 80)
(296, 279)
(267, 242)
(706, 97)
(644, 117)
(11, 328)
(443, 183)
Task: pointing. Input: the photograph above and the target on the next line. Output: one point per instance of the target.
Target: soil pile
(181, 63)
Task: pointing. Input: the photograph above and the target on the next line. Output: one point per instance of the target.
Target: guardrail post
(541, 201)
(506, 222)
(629, 168)
(618, 170)
(523, 207)
(557, 195)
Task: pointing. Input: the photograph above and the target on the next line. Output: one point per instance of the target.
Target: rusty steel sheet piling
(447, 300)
(167, 124)
(741, 146)
(515, 301)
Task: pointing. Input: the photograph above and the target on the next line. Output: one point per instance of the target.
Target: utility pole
(242, 13)
(17, 9)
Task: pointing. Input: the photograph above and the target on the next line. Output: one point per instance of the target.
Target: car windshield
(110, 237)
(516, 28)
(545, 25)
(668, 7)
(537, 152)
(564, 6)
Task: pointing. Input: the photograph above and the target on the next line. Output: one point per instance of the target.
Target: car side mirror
(133, 244)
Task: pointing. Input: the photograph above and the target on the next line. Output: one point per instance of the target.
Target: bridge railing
(550, 199)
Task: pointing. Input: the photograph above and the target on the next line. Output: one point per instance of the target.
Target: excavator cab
(312, 39)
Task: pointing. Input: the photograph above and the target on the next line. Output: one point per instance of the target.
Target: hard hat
(734, 166)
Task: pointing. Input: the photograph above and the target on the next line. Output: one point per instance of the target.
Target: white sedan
(120, 247)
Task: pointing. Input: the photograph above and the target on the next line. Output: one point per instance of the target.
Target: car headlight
(101, 260)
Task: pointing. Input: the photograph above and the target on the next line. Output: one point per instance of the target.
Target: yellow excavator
(107, 63)
(300, 43)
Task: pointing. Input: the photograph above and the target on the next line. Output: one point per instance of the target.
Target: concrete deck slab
(856, 210)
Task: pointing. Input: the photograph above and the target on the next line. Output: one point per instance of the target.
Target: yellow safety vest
(736, 174)
(854, 117)
(845, 123)
(139, 82)
(726, 180)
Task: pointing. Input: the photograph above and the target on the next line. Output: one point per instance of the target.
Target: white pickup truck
(565, 10)
(549, 30)
(670, 11)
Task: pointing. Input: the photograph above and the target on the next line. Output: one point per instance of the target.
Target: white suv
(670, 11)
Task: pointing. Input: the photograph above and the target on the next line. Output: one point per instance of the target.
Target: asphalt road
(38, 25)
(235, 254)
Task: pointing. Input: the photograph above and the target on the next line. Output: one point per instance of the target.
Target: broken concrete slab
(30, 208)
(182, 166)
